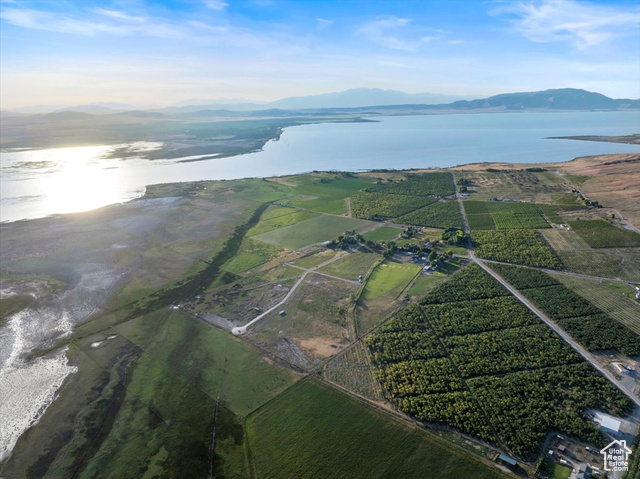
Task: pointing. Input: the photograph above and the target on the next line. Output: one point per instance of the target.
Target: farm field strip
(314, 443)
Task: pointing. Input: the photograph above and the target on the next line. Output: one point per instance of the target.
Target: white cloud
(583, 25)
(106, 22)
(118, 15)
(216, 4)
(384, 32)
(323, 23)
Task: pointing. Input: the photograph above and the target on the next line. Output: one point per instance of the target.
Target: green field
(314, 230)
(159, 414)
(329, 434)
(325, 192)
(251, 254)
(600, 234)
(352, 266)
(278, 217)
(384, 233)
(389, 279)
(317, 258)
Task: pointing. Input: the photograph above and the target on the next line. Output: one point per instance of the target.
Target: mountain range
(362, 100)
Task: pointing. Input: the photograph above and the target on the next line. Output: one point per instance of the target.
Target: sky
(157, 53)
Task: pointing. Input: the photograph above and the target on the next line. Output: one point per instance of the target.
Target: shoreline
(143, 194)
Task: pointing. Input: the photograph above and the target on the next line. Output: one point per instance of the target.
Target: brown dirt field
(320, 347)
(615, 181)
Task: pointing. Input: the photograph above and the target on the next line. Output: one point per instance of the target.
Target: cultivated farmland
(374, 205)
(486, 374)
(329, 434)
(314, 230)
(515, 246)
(578, 256)
(600, 234)
(443, 214)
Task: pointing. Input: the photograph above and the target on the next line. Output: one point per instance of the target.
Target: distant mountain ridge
(369, 101)
(558, 99)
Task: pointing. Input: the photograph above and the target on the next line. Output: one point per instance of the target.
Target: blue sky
(160, 52)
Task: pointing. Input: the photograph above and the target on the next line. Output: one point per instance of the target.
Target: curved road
(583, 352)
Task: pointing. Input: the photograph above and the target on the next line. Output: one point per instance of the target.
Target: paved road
(583, 352)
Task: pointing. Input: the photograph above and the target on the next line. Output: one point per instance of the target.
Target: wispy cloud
(107, 21)
(386, 32)
(583, 25)
(216, 4)
(118, 15)
(323, 23)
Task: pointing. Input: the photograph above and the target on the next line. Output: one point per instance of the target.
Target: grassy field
(423, 284)
(579, 257)
(276, 217)
(600, 234)
(151, 396)
(352, 266)
(615, 299)
(314, 230)
(317, 258)
(380, 296)
(384, 233)
(329, 434)
(251, 254)
(324, 192)
(389, 279)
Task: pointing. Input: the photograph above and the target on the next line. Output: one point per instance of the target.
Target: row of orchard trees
(455, 359)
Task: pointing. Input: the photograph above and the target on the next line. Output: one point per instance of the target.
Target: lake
(38, 183)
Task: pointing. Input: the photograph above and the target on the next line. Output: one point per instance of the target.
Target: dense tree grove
(560, 302)
(470, 283)
(524, 278)
(588, 325)
(467, 317)
(380, 205)
(515, 246)
(443, 214)
(473, 357)
(436, 184)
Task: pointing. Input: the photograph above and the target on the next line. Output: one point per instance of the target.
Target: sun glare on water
(81, 183)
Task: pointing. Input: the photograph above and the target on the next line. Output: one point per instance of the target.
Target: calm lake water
(38, 183)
